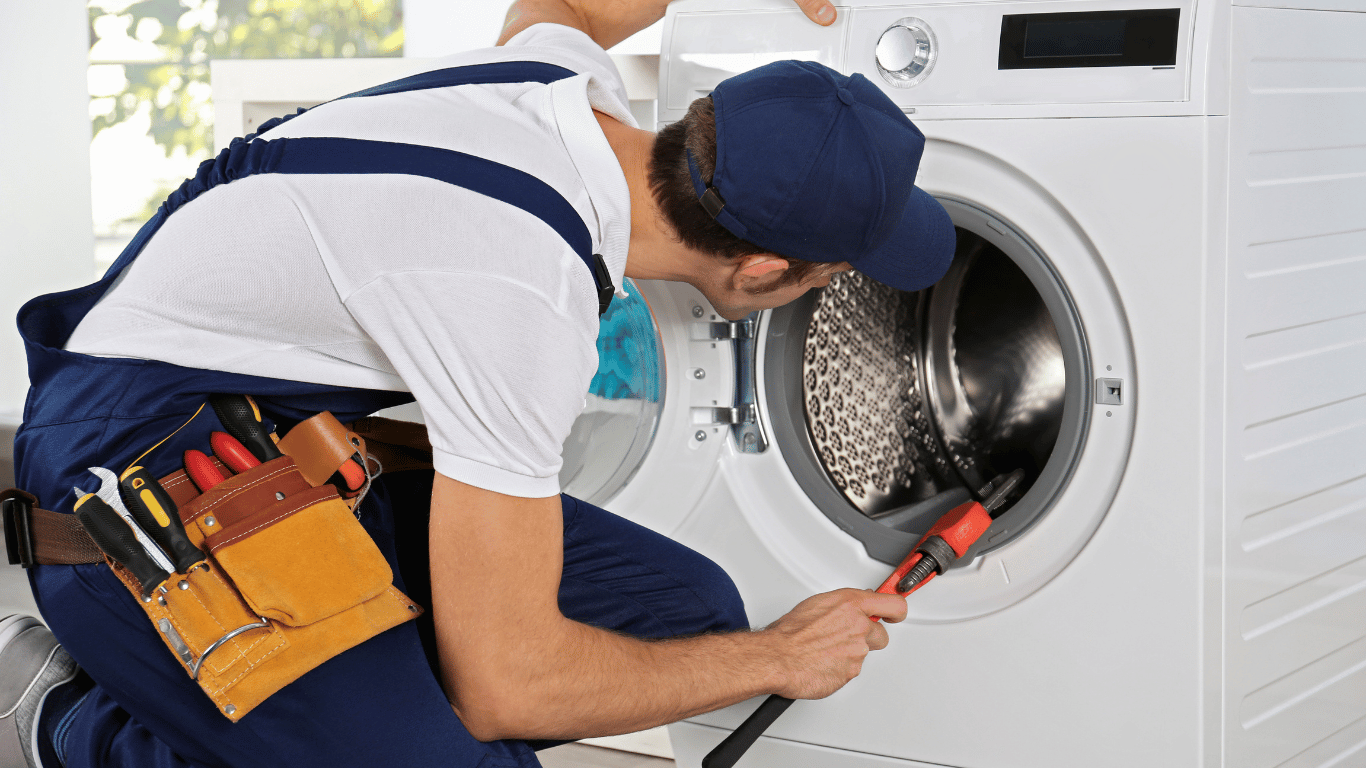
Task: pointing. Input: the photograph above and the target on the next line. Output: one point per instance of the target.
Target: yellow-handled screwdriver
(154, 509)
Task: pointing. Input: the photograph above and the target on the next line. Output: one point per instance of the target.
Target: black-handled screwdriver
(242, 419)
(113, 536)
(154, 509)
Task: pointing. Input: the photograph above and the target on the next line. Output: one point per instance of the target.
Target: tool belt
(290, 578)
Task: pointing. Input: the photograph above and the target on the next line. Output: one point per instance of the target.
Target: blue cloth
(628, 352)
(376, 704)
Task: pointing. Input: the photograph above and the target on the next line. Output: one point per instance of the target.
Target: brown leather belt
(36, 536)
(42, 537)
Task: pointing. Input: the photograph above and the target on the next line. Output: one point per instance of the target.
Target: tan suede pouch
(301, 560)
(291, 580)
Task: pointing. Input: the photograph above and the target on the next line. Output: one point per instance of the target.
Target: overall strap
(476, 74)
(248, 156)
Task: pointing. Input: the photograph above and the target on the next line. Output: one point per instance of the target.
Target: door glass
(613, 434)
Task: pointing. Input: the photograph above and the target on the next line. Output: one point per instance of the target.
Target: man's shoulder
(547, 43)
(560, 46)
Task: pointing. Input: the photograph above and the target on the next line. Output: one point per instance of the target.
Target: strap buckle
(604, 280)
(711, 201)
(16, 508)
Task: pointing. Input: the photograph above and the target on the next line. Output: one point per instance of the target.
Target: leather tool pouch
(291, 578)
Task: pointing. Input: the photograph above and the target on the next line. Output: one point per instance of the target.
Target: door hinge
(742, 329)
(743, 417)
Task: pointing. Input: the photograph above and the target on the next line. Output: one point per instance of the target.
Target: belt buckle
(17, 513)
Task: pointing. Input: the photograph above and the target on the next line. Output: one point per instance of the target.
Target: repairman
(452, 238)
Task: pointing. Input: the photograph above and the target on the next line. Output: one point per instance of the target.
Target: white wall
(46, 236)
(440, 27)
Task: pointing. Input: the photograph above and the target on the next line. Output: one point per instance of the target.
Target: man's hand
(514, 666)
(826, 637)
(609, 22)
(820, 11)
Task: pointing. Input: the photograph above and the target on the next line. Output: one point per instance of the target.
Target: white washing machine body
(1191, 590)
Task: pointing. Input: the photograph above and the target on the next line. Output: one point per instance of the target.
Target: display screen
(1047, 39)
(1089, 39)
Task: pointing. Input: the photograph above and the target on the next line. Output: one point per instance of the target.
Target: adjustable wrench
(109, 494)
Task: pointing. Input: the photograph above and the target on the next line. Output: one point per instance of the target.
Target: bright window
(152, 120)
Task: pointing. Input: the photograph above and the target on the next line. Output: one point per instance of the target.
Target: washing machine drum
(911, 403)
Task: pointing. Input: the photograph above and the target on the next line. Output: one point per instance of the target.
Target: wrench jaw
(109, 489)
(109, 494)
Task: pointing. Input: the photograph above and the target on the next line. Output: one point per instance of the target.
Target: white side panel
(1296, 475)
(1214, 450)
(48, 241)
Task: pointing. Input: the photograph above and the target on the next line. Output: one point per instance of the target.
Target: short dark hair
(673, 189)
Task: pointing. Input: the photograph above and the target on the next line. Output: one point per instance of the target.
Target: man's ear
(755, 266)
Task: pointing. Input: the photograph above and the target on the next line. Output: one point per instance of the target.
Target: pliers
(950, 538)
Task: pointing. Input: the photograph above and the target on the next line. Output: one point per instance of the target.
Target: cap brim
(919, 250)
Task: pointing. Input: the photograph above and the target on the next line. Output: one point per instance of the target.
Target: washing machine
(1157, 310)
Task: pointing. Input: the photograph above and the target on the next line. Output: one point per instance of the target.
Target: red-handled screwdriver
(231, 452)
(201, 470)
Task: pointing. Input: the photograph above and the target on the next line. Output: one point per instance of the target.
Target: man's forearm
(514, 666)
(596, 683)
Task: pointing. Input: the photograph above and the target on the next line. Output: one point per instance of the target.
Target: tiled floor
(584, 756)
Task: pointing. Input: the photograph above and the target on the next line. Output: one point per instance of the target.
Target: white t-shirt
(398, 282)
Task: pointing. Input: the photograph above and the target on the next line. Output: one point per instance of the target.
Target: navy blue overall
(378, 703)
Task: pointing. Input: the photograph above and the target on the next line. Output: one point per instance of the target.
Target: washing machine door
(663, 412)
(838, 428)
(876, 409)
(622, 408)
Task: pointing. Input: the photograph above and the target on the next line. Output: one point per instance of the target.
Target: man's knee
(680, 590)
(715, 588)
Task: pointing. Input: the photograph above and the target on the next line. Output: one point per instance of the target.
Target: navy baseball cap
(818, 166)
